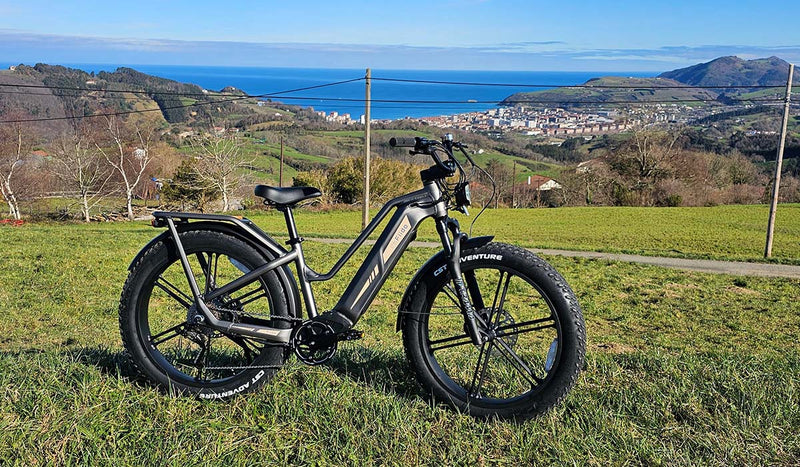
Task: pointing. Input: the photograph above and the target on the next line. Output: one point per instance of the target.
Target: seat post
(296, 242)
(290, 225)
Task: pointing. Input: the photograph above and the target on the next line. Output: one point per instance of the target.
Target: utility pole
(280, 170)
(365, 210)
(513, 180)
(779, 163)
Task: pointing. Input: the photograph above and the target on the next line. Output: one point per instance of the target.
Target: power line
(395, 101)
(125, 91)
(465, 102)
(527, 85)
(521, 101)
(462, 102)
(195, 104)
(175, 93)
(126, 112)
(407, 102)
(401, 80)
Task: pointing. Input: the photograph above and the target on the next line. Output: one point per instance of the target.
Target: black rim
(193, 354)
(523, 352)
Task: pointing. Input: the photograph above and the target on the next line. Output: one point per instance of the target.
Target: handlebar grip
(403, 142)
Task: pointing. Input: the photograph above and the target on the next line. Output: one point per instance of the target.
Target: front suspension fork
(453, 251)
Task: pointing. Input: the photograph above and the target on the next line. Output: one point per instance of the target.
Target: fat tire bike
(211, 308)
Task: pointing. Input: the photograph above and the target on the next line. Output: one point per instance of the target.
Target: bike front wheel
(535, 328)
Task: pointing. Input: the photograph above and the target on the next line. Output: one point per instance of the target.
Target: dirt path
(703, 265)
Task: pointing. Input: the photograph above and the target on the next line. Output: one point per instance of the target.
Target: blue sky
(451, 34)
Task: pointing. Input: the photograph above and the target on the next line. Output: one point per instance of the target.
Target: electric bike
(211, 308)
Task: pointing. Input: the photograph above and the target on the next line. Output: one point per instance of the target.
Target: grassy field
(682, 368)
(720, 232)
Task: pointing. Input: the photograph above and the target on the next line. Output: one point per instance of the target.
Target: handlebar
(442, 169)
(403, 142)
(425, 146)
(429, 147)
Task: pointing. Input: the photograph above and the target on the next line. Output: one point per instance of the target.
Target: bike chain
(259, 367)
(237, 313)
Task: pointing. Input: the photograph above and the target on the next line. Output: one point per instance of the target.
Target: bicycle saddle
(286, 196)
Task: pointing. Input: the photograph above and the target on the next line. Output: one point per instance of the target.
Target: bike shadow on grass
(383, 370)
(111, 362)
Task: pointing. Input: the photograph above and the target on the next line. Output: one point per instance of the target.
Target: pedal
(351, 335)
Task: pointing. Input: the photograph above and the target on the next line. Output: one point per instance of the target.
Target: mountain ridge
(734, 71)
(722, 71)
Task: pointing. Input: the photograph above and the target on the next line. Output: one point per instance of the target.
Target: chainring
(314, 342)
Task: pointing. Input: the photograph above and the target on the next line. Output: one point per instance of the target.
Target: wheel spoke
(209, 267)
(250, 297)
(499, 308)
(173, 292)
(485, 365)
(497, 290)
(519, 328)
(517, 362)
(451, 295)
(495, 312)
(480, 370)
(246, 344)
(216, 266)
(201, 258)
(450, 342)
(174, 330)
(201, 360)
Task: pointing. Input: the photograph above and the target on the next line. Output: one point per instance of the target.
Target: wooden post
(513, 183)
(365, 210)
(280, 170)
(778, 165)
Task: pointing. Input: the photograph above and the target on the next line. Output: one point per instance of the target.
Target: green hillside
(644, 90)
(734, 71)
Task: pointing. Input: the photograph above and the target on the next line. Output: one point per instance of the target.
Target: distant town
(557, 121)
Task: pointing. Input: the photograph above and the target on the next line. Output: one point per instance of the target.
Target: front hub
(497, 322)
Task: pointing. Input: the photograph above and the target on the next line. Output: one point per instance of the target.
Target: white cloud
(539, 55)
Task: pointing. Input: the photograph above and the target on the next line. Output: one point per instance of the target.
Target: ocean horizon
(270, 80)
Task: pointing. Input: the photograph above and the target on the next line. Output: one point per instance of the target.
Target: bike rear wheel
(537, 335)
(160, 332)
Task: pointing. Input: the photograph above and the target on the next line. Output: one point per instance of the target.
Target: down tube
(401, 230)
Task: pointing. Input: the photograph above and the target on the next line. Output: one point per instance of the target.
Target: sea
(339, 98)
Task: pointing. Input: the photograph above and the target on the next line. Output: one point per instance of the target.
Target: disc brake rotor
(504, 321)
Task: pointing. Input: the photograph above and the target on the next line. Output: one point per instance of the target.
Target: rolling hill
(734, 71)
(643, 90)
(57, 91)
(672, 86)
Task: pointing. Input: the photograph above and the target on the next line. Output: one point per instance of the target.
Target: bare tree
(502, 176)
(219, 166)
(81, 168)
(652, 151)
(640, 163)
(130, 155)
(15, 147)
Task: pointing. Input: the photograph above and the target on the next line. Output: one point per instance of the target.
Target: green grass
(683, 368)
(721, 232)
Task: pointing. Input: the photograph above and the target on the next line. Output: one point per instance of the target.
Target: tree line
(93, 159)
(107, 156)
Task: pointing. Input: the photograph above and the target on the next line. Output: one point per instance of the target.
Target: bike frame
(400, 231)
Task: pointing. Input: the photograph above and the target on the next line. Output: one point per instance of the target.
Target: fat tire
(554, 289)
(136, 293)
